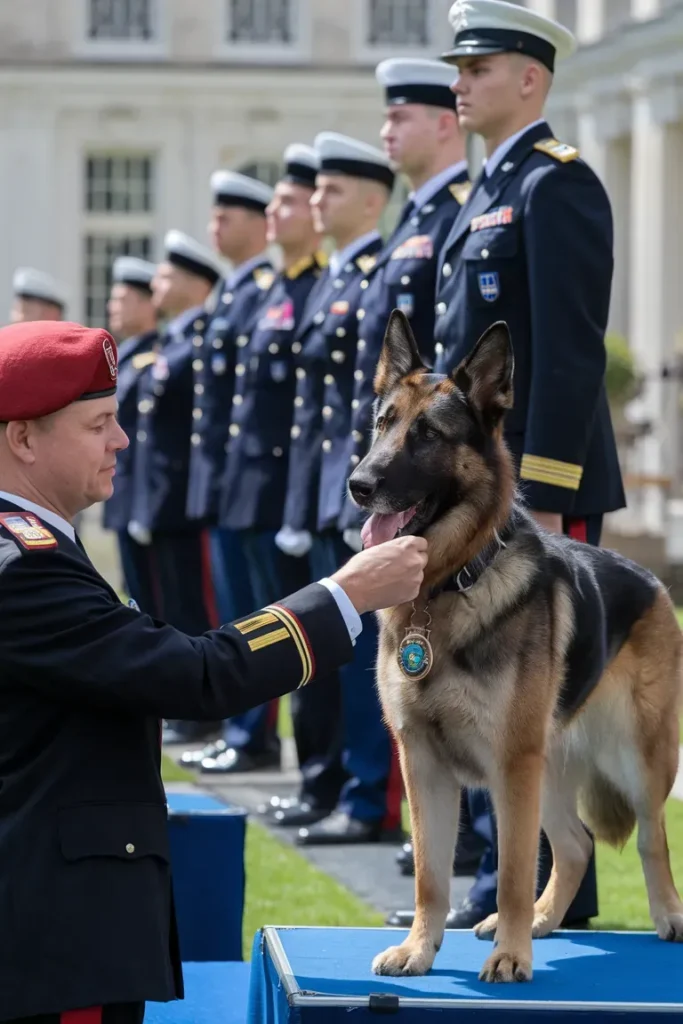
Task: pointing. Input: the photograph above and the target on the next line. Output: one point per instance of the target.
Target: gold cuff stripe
(551, 471)
(256, 622)
(553, 465)
(274, 637)
(299, 641)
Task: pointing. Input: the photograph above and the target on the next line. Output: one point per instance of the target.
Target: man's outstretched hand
(385, 575)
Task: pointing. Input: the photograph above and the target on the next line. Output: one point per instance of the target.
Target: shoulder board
(557, 150)
(143, 359)
(460, 191)
(321, 258)
(264, 277)
(365, 263)
(28, 530)
(300, 267)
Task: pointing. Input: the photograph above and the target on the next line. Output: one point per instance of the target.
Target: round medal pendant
(415, 655)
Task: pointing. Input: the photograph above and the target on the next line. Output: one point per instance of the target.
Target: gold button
(301, 373)
(197, 364)
(199, 389)
(234, 430)
(196, 414)
(277, 452)
(141, 436)
(217, 343)
(227, 298)
(359, 375)
(273, 348)
(360, 314)
(327, 411)
(130, 848)
(405, 279)
(355, 403)
(239, 370)
(341, 332)
(441, 308)
(357, 436)
(296, 347)
(198, 325)
(237, 399)
(438, 348)
(484, 254)
(327, 445)
(448, 269)
(146, 405)
(242, 340)
(329, 379)
(338, 356)
(295, 431)
(197, 341)
(361, 345)
(364, 284)
(298, 401)
(355, 459)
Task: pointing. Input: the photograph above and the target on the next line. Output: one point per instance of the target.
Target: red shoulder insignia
(28, 530)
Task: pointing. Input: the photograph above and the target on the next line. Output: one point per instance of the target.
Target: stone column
(548, 8)
(590, 20)
(642, 10)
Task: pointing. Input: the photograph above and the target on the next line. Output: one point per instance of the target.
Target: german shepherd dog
(544, 669)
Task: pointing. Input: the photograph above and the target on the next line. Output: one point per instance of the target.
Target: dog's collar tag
(415, 655)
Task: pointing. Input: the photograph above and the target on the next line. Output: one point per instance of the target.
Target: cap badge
(110, 357)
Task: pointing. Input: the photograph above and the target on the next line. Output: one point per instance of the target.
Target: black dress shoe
(277, 803)
(298, 815)
(340, 828)
(189, 732)
(465, 915)
(194, 758)
(232, 761)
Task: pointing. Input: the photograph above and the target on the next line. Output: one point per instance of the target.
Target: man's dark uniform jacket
(86, 910)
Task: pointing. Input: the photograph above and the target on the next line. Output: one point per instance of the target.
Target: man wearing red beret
(86, 915)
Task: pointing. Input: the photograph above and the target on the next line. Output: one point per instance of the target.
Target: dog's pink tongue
(380, 528)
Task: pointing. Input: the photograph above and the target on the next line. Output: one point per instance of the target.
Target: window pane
(260, 21)
(266, 171)
(119, 184)
(120, 19)
(398, 23)
(100, 251)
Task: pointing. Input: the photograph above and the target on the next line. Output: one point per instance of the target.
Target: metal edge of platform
(297, 997)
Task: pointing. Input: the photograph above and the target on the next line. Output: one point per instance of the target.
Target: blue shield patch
(489, 286)
(278, 371)
(219, 363)
(406, 303)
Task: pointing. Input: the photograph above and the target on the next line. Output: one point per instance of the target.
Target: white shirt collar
(425, 192)
(340, 259)
(239, 273)
(43, 513)
(492, 162)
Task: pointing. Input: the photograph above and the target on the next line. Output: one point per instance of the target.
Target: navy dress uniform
(180, 547)
(254, 484)
(326, 344)
(534, 247)
(403, 276)
(134, 355)
(85, 889)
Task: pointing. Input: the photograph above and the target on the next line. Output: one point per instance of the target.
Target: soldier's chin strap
(465, 578)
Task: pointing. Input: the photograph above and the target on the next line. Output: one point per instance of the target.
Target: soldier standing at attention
(36, 296)
(423, 140)
(133, 322)
(238, 233)
(534, 247)
(86, 906)
(255, 481)
(353, 186)
(180, 547)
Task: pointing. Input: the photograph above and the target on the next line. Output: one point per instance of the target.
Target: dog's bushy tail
(607, 812)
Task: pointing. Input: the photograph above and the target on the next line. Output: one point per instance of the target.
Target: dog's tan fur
(616, 757)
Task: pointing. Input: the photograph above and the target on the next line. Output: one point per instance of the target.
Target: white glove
(353, 540)
(139, 533)
(294, 542)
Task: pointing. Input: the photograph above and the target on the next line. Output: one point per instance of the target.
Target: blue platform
(214, 994)
(322, 975)
(207, 840)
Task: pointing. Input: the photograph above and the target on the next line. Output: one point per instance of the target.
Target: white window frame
(297, 52)
(123, 49)
(440, 34)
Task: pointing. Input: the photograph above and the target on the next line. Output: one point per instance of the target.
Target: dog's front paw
(503, 965)
(486, 929)
(406, 959)
(669, 926)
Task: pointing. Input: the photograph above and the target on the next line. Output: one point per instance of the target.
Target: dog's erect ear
(485, 376)
(399, 356)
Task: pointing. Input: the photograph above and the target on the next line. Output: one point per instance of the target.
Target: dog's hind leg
(434, 799)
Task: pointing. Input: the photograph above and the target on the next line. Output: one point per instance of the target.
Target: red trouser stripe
(392, 818)
(576, 529)
(208, 591)
(93, 1015)
(272, 714)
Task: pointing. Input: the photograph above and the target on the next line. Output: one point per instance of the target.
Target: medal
(415, 655)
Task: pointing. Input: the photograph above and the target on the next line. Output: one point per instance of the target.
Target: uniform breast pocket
(491, 261)
(125, 832)
(408, 281)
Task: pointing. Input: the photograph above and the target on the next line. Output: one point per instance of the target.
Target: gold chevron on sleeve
(300, 640)
(551, 471)
(266, 639)
(255, 622)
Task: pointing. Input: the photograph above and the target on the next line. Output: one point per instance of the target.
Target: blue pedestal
(214, 994)
(207, 857)
(321, 975)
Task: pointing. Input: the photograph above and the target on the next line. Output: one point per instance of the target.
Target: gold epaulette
(365, 263)
(264, 277)
(143, 359)
(557, 150)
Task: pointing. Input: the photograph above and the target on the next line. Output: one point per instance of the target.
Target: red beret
(47, 364)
